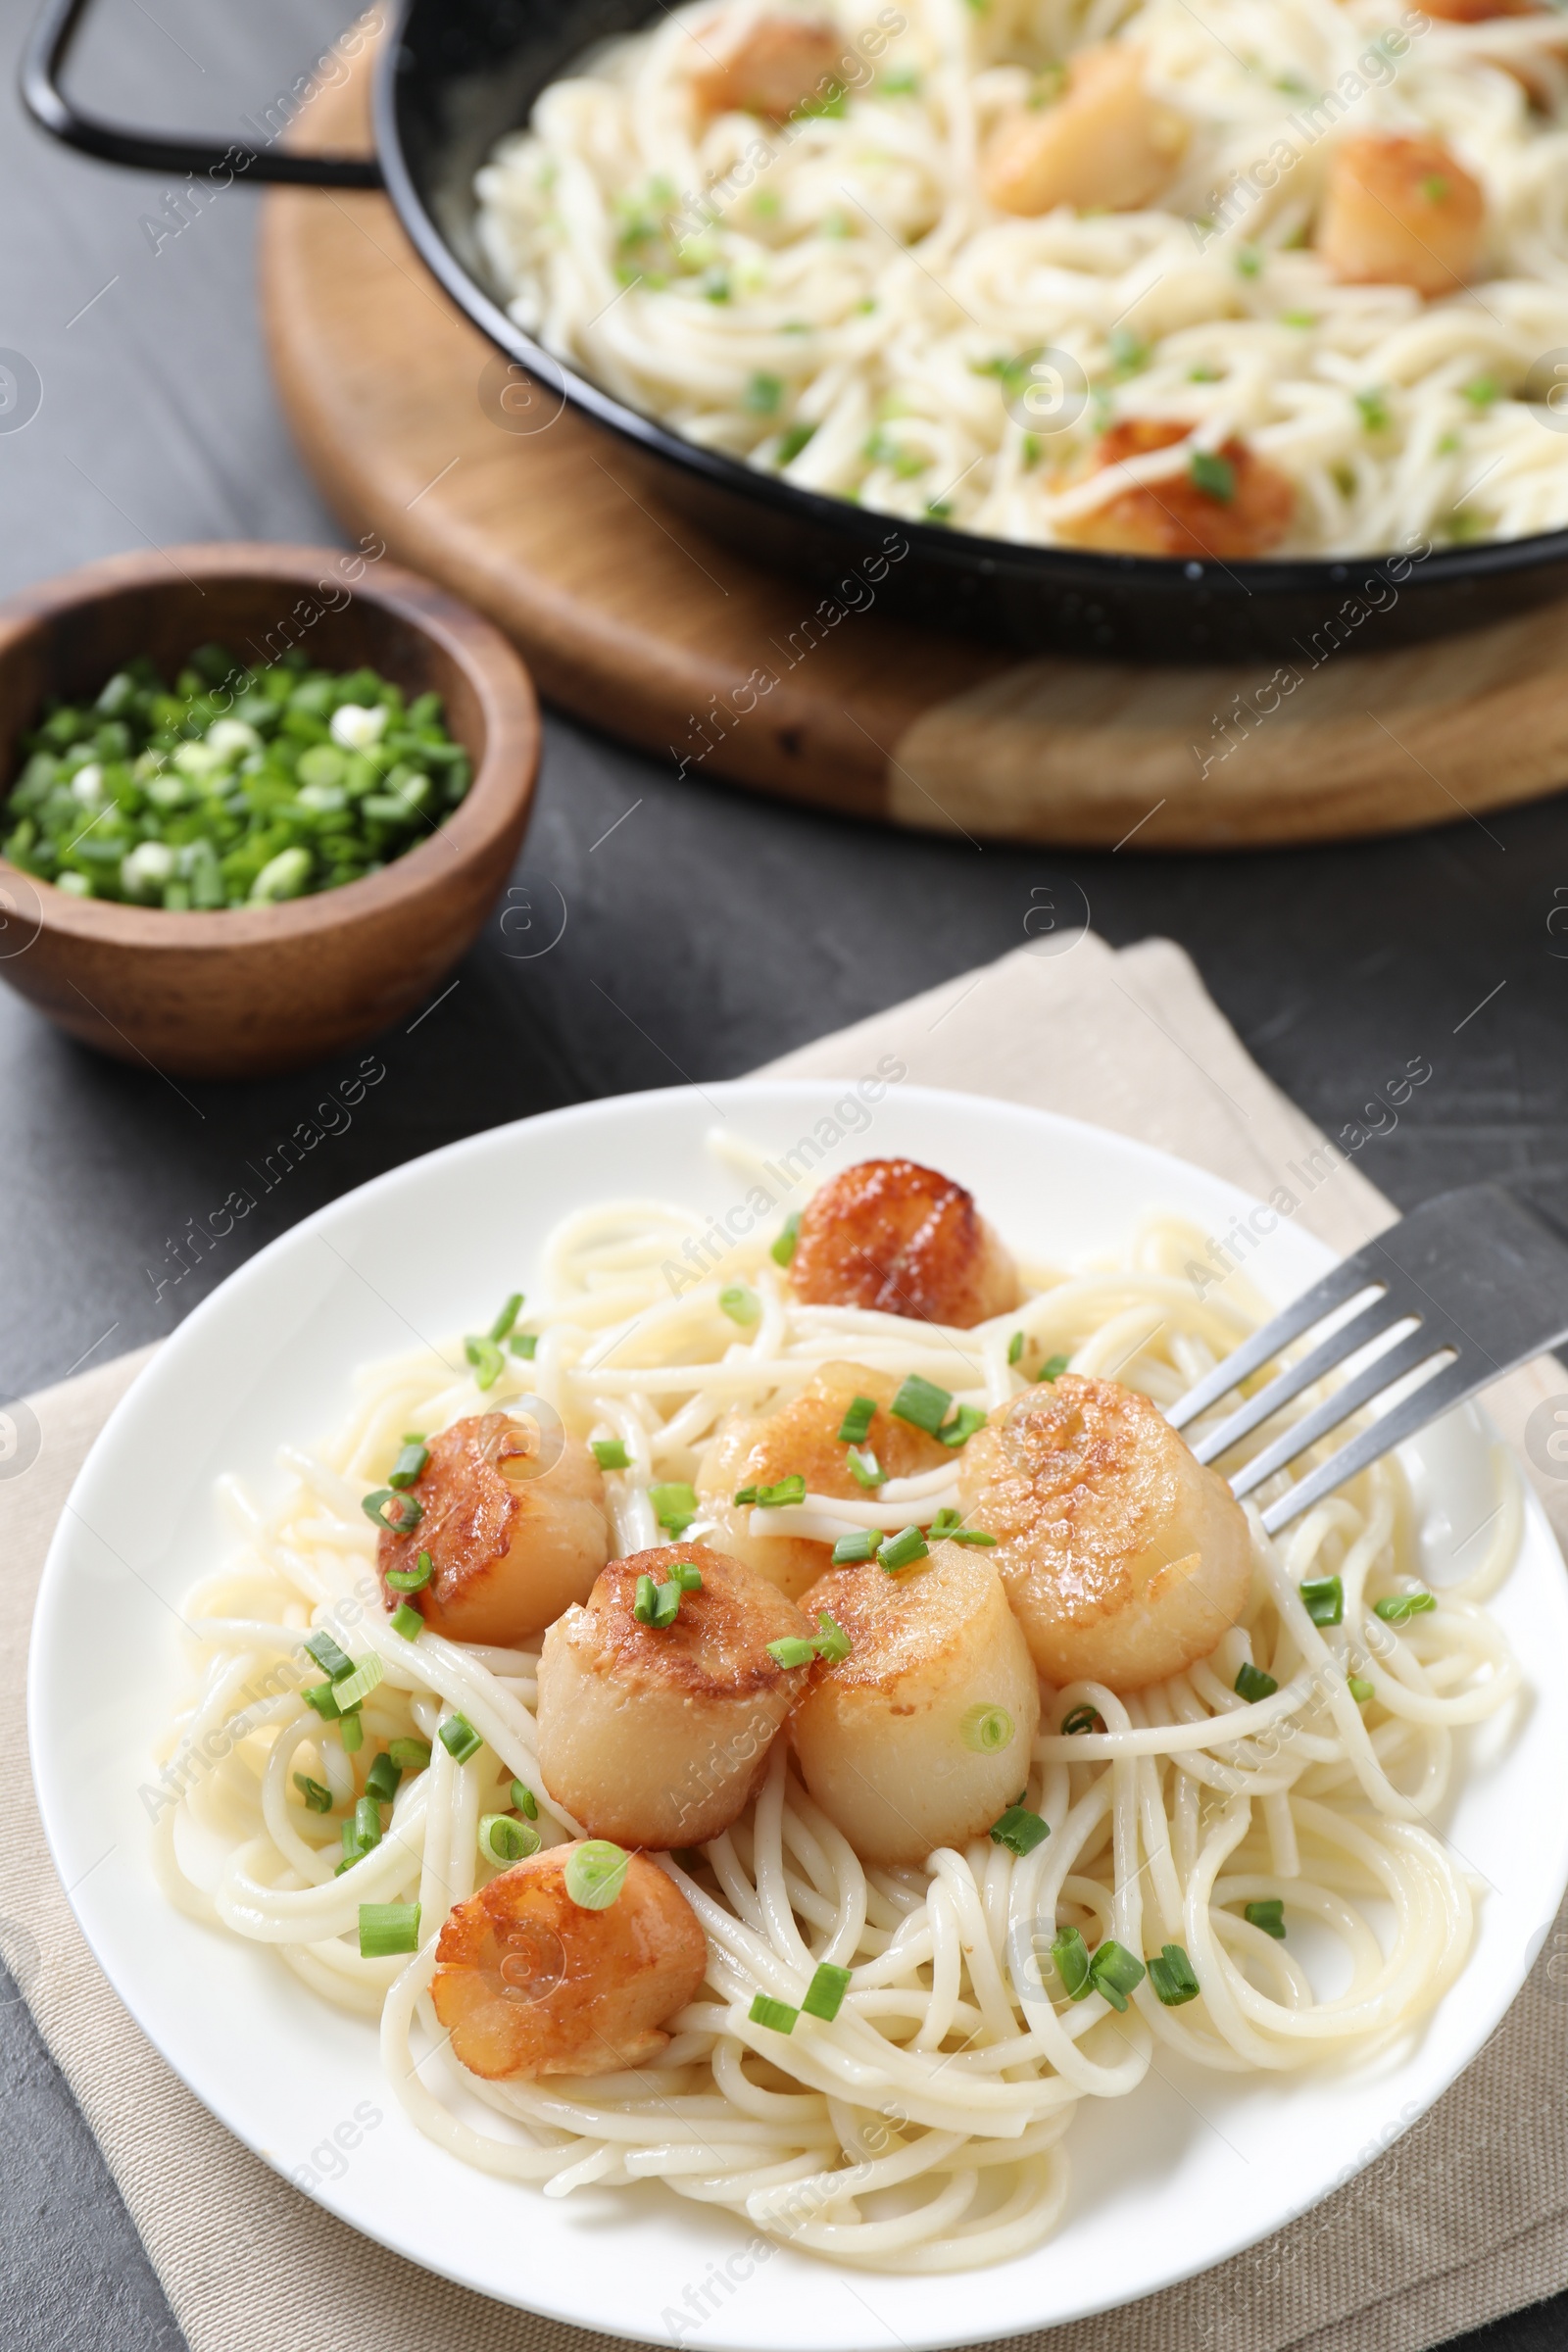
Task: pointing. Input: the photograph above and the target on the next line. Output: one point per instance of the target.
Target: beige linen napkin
(1463, 2219)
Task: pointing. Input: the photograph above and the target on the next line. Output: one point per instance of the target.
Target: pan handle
(43, 68)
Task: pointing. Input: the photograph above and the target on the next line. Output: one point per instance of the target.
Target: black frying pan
(462, 72)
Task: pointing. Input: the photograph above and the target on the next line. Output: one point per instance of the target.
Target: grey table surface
(736, 928)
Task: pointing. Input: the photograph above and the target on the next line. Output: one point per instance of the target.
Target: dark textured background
(734, 930)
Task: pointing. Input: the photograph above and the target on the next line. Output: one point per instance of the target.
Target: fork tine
(1446, 1387)
(1369, 1381)
(1335, 1289)
(1374, 1319)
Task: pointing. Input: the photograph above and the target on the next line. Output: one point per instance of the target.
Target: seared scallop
(779, 65)
(1124, 1559)
(529, 1983)
(1228, 502)
(515, 1529)
(802, 1437)
(890, 1235)
(1399, 209)
(655, 1734)
(1108, 142)
(920, 1737)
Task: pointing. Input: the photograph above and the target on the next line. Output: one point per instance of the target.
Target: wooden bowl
(254, 989)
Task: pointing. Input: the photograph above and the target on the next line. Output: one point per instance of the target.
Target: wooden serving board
(636, 622)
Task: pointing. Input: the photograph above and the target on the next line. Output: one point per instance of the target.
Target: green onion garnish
(486, 1358)
(782, 1492)
(525, 1799)
(1015, 1348)
(351, 1731)
(318, 1799)
(1361, 1688)
(1253, 1683)
(321, 1697)
(411, 1580)
(381, 1781)
(833, 1644)
(656, 1606)
(948, 1528)
(1212, 474)
(408, 1464)
(794, 1650)
(407, 1621)
(611, 1453)
(1053, 1367)
(1395, 1607)
(508, 1316)
(855, 1426)
(458, 1738)
(350, 1690)
(1019, 1831)
(1269, 1916)
(503, 1841)
(741, 1304)
(596, 1873)
(1171, 1976)
(825, 1995)
(327, 1655)
(783, 1248)
(674, 1506)
(401, 1513)
(961, 1428)
(1114, 1970)
(388, 1928)
(864, 1468)
(1071, 1956)
(764, 2011)
(1323, 1598)
(410, 1755)
(687, 1576)
(858, 1546)
(367, 1823)
(525, 1344)
(922, 1404)
(987, 1730)
(1081, 1719)
(901, 1551)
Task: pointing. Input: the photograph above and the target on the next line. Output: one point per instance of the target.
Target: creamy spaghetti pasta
(833, 298)
(922, 2127)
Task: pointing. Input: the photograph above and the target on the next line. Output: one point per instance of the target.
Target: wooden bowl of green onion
(255, 801)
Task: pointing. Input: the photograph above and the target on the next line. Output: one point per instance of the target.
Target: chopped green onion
(409, 1465)
(782, 1492)
(611, 1453)
(388, 1928)
(508, 1316)
(901, 1551)
(864, 1468)
(1482, 391)
(1015, 1348)
(1019, 1830)
(458, 1738)
(1269, 1916)
(674, 1506)
(789, 1233)
(1395, 1607)
(412, 1437)
(503, 1841)
(1074, 1965)
(1171, 1976)
(318, 1799)
(525, 1344)
(1114, 1970)
(1323, 1598)
(764, 2011)
(858, 1546)
(381, 1781)
(741, 1304)
(1374, 410)
(988, 1729)
(687, 1576)
(1252, 1684)
(1212, 474)
(401, 1513)
(1361, 1688)
(948, 1528)
(1081, 1719)
(855, 1426)
(1249, 261)
(353, 1688)
(922, 1404)
(327, 1655)
(656, 1606)
(825, 1995)
(833, 1644)
(596, 1873)
(961, 1428)
(367, 1823)
(487, 1360)
(525, 1799)
(407, 1621)
(351, 1731)
(321, 1697)
(411, 1580)
(1435, 188)
(793, 1650)
(410, 1755)
(1053, 1367)
(762, 393)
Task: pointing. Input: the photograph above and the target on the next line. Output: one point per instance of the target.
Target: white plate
(1190, 2169)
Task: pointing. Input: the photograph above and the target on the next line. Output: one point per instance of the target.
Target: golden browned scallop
(657, 1735)
(1106, 142)
(528, 1982)
(890, 1235)
(1241, 508)
(779, 65)
(920, 1737)
(1399, 209)
(1124, 1559)
(514, 1534)
(803, 1436)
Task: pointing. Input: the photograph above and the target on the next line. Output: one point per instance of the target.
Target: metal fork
(1484, 1279)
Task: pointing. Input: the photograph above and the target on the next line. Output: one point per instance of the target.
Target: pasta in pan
(1261, 277)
